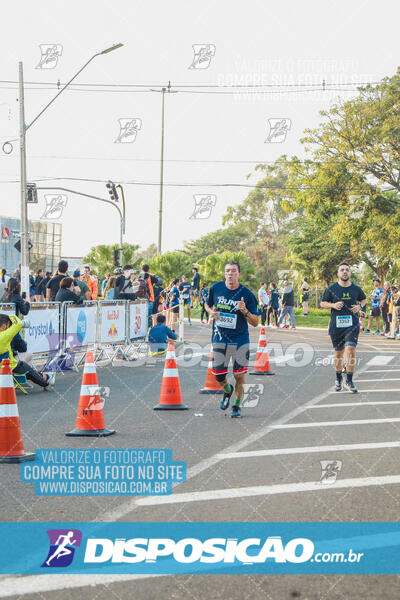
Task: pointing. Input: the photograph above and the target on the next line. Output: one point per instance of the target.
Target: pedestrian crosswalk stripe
(335, 423)
(379, 360)
(334, 405)
(381, 379)
(377, 391)
(308, 450)
(268, 490)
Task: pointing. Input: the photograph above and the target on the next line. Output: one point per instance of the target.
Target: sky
(211, 139)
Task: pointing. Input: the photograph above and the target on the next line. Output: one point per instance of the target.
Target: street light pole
(23, 127)
(24, 212)
(160, 203)
(123, 221)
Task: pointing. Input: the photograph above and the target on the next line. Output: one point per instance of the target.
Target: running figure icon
(62, 542)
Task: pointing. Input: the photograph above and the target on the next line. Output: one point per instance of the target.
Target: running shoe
(235, 412)
(338, 386)
(350, 387)
(293, 328)
(286, 327)
(224, 402)
(189, 321)
(377, 332)
(366, 331)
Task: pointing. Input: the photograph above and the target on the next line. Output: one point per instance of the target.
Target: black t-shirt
(349, 295)
(54, 285)
(196, 281)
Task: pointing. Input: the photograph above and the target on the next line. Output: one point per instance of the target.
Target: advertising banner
(43, 334)
(112, 323)
(80, 326)
(138, 320)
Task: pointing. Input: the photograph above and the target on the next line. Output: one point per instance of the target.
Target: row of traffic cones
(90, 417)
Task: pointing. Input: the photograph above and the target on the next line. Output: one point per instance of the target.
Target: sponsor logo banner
(200, 548)
(112, 323)
(138, 320)
(81, 325)
(44, 330)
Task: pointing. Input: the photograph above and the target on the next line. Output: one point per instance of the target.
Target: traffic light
(32, 197)
(112, 190)
(116, 258)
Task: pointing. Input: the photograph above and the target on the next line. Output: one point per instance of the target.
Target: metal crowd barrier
(111, 327)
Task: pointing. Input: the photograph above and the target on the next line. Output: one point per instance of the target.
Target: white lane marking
(377, 391)
(379, 402)
(309, 449)
(379, 379)
(268, 490)
(335, 423)
(35, 584)
(382, 371)
(379, 361)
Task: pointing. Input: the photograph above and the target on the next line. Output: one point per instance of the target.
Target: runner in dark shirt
(346, 301)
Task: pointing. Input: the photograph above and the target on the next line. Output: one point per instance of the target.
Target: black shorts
(222, 353)
(175, 309)
(186, 301)
(375, 312)
(346, 337)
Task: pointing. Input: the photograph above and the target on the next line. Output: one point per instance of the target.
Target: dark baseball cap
(77, 273)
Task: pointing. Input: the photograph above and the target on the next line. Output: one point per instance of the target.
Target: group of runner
(233, 307)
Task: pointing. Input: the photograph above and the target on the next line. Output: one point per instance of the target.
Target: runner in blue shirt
(174, 302)
(203, 302)
(232, 306)
(375, 311)
(185, 288)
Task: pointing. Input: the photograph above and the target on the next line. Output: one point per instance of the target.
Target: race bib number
(226, 320)
(344, 321)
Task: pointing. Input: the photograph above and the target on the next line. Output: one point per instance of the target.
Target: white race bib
(226, 320)
(344, 321)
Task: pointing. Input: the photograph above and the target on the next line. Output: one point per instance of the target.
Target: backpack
(143, 289)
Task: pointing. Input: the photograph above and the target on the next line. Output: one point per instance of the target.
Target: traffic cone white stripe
(89, 390)
(262, 350)
(170, 373)
(6, 381)
(170, 354)
(89, 368)
(210, 364)
(8, 410)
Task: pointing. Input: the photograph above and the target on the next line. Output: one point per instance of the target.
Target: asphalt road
(262, 467)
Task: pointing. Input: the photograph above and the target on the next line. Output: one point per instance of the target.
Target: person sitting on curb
(158, 336)
(10, 325)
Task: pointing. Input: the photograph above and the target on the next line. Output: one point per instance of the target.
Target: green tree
(363, 132)
(170, 264)
(100, 258)
(231, 238)
(212, 268)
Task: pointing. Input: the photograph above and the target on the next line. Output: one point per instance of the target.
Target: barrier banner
(137, 320)
(8, 309)
(43, 334)
(112, 323)
(80, 326)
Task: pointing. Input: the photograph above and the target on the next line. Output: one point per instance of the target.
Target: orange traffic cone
(361, 324)
(211, 385)
(170, 394)
(11, 445)
(261, 366)
(90, 418)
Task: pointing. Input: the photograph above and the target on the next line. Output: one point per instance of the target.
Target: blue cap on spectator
(77, 273)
